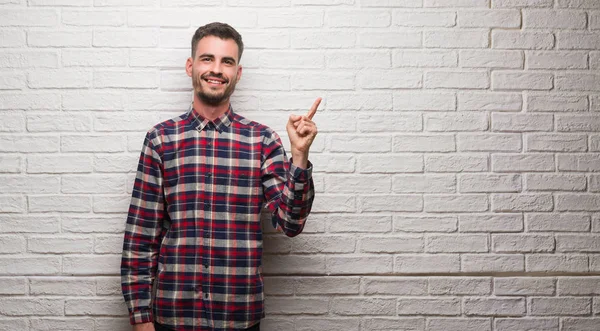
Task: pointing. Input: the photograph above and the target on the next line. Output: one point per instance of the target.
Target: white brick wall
(456, 168)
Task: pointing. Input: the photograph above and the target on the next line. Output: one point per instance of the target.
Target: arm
(288, 189)
(143, 234)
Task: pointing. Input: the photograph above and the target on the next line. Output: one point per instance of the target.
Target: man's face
(214, 70)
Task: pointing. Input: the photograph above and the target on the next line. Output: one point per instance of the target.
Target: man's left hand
(302, 131)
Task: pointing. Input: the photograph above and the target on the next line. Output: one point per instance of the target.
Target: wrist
(300, 159)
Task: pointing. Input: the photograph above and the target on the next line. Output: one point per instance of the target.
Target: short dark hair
(221, 30)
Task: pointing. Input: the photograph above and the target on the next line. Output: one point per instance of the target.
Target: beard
(209, 96)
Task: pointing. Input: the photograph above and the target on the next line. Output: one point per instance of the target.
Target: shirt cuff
(301, 175)
(141, 316)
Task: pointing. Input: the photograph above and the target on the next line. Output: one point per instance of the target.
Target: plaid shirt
(194, 221)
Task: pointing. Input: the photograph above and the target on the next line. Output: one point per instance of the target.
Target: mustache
(216, 76)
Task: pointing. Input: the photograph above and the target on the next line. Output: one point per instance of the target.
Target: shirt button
(205, 295)
(208, 175)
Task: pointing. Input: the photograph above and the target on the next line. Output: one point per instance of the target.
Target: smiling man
(192, 254)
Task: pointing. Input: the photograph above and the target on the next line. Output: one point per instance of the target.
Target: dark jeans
(160, 327)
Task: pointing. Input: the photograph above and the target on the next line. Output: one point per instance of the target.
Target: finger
(295, 118)
(313, 109)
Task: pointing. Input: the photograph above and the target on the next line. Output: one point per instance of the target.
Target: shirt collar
(219, 123)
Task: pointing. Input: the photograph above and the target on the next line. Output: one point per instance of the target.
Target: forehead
(217, 47)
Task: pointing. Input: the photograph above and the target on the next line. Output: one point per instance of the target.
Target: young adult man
(193, 241)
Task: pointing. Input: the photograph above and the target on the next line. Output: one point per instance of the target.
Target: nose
(216, 67)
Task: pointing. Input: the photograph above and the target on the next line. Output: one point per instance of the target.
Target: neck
(210, 112)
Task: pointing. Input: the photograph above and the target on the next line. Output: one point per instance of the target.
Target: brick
(335, 59)
(326, 324)
(92, 264)
(10, 164)
(494, 307)
(28, 17)
(334, 163)
(12, 204)
(43, 324)
(52, 122)
(125, 38)
(28, 59)
(429, 306)
(526, 324)
(339, 265)
(460, 285)
(420, 58)
(28, 224)
(522, 162)
(426, 263)
(424, 143)
(326, 285)
(489, 142)
(27, 265)
(553, 19)
(456, 163)
(572, 123)
(424, 101)
(361, 306)
(376, 79)
(92, 143)
(371, 18)
(12, 286)
(59, 203)
(12, 38)
(594, 185)
(350, 184)
(294, 264)
(286, 18)
(29, 144)
(476, 183)
(458, 324)
(578, 162)
(12, 81)
(456, 203)
(446, 122)
(88, 100)
(126, 79)
(59, 38)
(578, 82)
(424, 184)
(491, 223)
(577, 202)
(456, 243)
(560, 222)
(557, 143)
(491, 59)
(458, 80)
(577, 40)
(521, 286)
(505, 202)
(37, 164)
(401, 286)
(153, 18)
(424, 224)
(577, 243)
(311, 59)
(62, 78)
(319, 40)
(485, 263)
(580, 324)
(359, 144)
(427, 18)
(95, 224)
(560, 306)
(578, 286)
(354, 224)
(548, 182)
(305, 81)
(595, 57)
(522, 81)
(30, 306)
(556, 103)
(390, 39)
(323, 244)
(391, 203)
(62, 286)
(358, 101)
(335, 203)
(556, 263)
(12, 122)
(495, 101)
(455, 3)
(456, 39)
(30, 184)
(12, 244)
(111, 204)
(385, 122)
(556, 60)
(489, 18)
(522, 40)
(394, 323)
(521, 3)
(404, 244)
(58, 245)
(391, 3)
(95, 307)
(522, 243)
(582, 4)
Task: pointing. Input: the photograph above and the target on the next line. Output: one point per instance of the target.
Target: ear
(188, 66)
(239, 73)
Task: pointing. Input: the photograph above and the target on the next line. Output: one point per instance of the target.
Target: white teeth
(214, 82)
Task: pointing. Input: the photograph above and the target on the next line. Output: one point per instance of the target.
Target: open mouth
(215, 81)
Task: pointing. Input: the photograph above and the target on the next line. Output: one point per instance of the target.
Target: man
(193, 242)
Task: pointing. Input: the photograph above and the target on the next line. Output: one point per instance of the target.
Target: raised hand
(302, 131)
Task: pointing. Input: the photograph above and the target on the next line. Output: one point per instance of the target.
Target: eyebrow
(212, 56)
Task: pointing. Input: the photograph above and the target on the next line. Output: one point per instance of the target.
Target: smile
(213, 81)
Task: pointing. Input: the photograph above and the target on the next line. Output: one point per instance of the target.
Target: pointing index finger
(313, 109)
